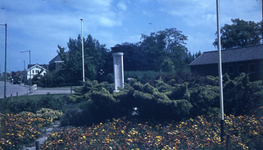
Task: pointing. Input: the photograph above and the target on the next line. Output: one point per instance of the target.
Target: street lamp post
(30, 88)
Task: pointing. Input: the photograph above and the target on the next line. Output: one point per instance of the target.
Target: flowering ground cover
(203, 132)
(18, 130)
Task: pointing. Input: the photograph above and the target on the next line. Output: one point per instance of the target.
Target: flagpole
(220, 71)
(83, 67)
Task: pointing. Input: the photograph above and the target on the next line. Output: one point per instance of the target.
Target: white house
(36, 70)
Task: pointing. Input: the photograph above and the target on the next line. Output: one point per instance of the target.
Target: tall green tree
(94, 56)
(133, 56)
(154, 51)
(153, 47)
(240, 33)
(164, 44)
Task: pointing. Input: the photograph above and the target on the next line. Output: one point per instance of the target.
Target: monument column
(118, 70)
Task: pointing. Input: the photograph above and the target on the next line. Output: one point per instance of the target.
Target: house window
(251, 68)
(32, 71)
(37, 71)
(240, 68)
(230, 69)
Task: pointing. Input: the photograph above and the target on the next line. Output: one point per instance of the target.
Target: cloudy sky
(41, 25)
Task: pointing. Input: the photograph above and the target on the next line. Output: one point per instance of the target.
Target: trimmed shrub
(49, 113)
(76, 117)
(43, 113)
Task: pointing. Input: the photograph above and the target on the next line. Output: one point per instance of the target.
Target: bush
(169, 100)
(76, 117)
(34, 103)
(242, 96)
(49, 113)
(44, 113)
(141, 76)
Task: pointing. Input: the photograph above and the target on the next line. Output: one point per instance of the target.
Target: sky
(41, 25)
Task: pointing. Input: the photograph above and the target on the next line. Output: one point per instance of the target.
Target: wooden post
(37, 145)
(227, 142)
(11, 97)
(16, 94)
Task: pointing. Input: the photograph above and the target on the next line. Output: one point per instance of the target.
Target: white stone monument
(118, 71)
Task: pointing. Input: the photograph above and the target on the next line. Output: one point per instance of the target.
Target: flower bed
(19, 130)
(200, 133)
(203, 132)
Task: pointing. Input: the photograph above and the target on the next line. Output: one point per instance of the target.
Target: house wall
(34, 72)
(233, 69)
(204, 70)
(253, 67)
(54, 67)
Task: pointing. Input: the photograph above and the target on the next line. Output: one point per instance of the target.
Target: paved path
(22, 90)
(41, 91)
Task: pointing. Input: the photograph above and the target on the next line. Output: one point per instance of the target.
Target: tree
(155, 50)
(133, 56)
(240, 33)
(94, 53)
(169, 43)
(167, 65)
(153, 47)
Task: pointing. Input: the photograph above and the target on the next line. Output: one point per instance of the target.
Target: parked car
(16, 82)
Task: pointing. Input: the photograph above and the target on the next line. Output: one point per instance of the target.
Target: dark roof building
(42, 65)
(234, 61)
(54, 64)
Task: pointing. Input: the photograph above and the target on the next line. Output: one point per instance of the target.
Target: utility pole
(220, 71)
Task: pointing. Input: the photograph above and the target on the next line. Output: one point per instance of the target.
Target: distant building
(36, 69)
(234, 61)
(55, 64)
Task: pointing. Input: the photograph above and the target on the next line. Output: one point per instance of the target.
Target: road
(22, 90)
(12, 89)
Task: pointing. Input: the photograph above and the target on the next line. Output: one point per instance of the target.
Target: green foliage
(240, 33)
(167, 65)
(53, 79)
(76, 117)
(163, 87)
(35, 103)
(204, 98)
(49, 113)
(94, 53)
(159, 51)
(241, 96)
(174, 100)
(83, 93)
(44, 113)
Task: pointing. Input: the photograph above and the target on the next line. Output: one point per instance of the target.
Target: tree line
(161, 51)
